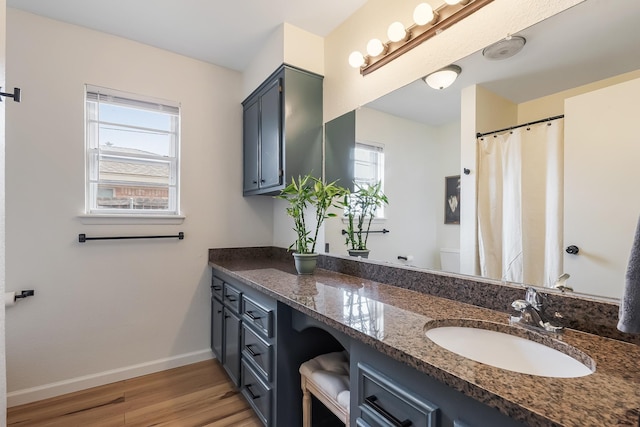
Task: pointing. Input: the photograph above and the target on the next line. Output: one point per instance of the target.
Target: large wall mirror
(584, 64)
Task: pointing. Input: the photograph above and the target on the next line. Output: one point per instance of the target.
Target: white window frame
(379, 148)
(93, 153)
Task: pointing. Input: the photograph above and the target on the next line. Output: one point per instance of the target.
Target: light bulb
(396, 32)
(375, 47)
(423, 14)
(356, 59)
(451, 2)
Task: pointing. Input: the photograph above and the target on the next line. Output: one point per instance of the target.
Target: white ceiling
(222, 32)
(591, 41)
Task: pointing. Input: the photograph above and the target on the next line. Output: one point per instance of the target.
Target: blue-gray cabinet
(282, 130)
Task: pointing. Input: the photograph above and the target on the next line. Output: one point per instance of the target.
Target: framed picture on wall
(452, 199)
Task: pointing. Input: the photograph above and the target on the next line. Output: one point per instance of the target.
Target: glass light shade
(375, 47)
(423, 14)
(444, 78)
(452, 2)
(356, 59)
(396, 32)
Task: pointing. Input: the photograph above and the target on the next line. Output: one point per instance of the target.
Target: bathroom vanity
(398, 375)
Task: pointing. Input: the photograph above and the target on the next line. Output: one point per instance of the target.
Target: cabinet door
(271, 136)
(251, 139)
(231, 346)
(216, 328)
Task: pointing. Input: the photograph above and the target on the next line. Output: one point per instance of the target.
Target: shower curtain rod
(548, 119)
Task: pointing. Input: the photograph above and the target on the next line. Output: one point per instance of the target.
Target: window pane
(132, 197)
(133, 170)
(135, 117)
(135, 141)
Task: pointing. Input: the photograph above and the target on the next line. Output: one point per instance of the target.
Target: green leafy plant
(309, 191)
(360, 209)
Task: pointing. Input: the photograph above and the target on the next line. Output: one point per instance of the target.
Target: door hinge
(280, 88)
(281, 172)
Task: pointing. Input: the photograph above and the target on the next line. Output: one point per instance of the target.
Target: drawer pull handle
(253, 396)
(372, 402)
(217, 288)
(252, 316)
(251, 351)
(231, 298)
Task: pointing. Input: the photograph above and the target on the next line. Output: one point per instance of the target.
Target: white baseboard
(20, 397)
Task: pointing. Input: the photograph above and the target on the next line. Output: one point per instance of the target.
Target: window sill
(97, 219)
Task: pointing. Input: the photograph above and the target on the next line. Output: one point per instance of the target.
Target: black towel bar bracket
(24, 294)
(83, 237)
(383, 231)
(16, 95)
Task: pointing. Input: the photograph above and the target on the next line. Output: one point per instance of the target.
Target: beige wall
(346, 89)
(110, 310)
(601, 206)
(553, 105)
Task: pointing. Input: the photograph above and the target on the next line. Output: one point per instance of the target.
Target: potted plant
(360, 209)
(308, 192)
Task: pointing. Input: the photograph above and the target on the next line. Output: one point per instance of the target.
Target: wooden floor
(194, 395)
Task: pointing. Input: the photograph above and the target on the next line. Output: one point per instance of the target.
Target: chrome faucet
(532, 314)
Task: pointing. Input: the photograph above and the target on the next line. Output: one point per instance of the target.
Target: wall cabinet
(282, 130)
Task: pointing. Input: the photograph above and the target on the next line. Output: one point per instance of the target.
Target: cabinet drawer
(384, 403)
(216, 287)
(232, 297)
(258, 316)
(258, 351)
(257, 393)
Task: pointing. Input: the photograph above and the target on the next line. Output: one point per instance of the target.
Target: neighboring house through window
(132, 154)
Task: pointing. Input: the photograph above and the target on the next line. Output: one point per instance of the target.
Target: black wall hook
(466, 171)
(573, 250)
(16, 95)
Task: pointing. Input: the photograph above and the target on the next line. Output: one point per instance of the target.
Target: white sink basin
(507, 352)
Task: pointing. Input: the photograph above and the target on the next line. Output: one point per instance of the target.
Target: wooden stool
(327, 378)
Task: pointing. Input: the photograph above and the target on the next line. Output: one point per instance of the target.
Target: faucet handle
(561, 283)
(520, 305)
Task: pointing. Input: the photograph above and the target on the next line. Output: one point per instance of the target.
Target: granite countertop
(392, 320)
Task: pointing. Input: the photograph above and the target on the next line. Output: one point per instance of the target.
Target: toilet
(450, 260)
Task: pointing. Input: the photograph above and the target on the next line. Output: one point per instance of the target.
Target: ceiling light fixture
(443, 78)
(504, 48)
(427, 23)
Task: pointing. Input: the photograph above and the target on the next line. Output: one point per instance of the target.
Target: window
(132, 154)
(369, 168)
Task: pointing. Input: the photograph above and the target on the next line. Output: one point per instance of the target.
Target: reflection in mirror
(574, 64)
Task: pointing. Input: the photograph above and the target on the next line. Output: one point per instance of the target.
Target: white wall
(448, 162)
(3, 371)
(412, 183)
(126, 307)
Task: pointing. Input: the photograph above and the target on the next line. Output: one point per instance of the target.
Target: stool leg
(306, 404)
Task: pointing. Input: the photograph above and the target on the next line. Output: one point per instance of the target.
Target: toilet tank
(450, 260)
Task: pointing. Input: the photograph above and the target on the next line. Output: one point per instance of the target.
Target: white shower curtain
(520, 204)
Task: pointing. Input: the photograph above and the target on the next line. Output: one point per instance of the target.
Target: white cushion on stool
(330, 372)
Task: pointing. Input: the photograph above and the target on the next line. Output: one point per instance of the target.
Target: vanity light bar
(444, 17)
